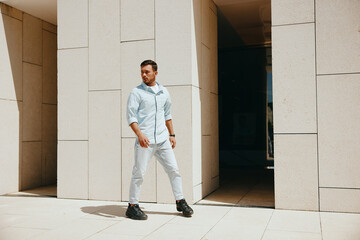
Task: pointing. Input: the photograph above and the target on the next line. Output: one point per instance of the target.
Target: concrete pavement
(40, 218)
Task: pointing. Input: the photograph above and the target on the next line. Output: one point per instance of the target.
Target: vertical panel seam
(120, 170)
(22, 110)
(317, 115)
(88, 107)
(121, 112)
(155, 59)
(42, 156)
(119, 52)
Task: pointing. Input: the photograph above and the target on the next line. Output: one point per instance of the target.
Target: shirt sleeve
(132, 108)
(167, 108)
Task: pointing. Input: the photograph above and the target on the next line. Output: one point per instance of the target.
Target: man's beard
(148, 81)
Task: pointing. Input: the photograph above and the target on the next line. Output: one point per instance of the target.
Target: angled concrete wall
(316, 93)
(99, 58)
(28, 97)
(207, 171)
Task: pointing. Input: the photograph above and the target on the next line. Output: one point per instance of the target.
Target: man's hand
(170, 128)
(143, 140)
(173, 142)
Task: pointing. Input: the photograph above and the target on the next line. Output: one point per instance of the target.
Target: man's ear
(156, 73)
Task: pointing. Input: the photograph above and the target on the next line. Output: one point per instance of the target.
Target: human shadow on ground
(114, 211)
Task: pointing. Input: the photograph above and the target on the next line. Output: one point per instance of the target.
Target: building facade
(72, 129)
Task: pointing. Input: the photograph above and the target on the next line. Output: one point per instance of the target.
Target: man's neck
(151, 84)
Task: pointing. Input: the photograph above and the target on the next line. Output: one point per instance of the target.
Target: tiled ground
(39, 218)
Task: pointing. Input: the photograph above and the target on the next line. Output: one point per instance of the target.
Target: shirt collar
(147, 88)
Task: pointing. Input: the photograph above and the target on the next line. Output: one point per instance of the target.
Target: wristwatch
(172, 135)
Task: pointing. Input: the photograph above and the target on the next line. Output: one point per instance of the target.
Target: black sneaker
(183, 207)
(134, 212)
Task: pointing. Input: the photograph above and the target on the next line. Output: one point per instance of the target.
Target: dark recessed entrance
(245, 105)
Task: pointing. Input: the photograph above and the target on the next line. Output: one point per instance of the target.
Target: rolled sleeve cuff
(168, 117)
(132, 120)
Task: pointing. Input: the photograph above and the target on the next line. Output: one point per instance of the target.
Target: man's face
(148, 75)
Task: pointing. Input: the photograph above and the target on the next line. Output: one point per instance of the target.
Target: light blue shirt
(150, 110)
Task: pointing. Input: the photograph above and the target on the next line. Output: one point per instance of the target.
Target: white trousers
(165, 155)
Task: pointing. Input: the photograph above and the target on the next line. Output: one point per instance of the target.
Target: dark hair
(149, 62)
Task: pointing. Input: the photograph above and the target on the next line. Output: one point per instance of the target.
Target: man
(148, 114)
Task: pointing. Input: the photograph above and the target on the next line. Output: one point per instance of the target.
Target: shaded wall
(316, 86)
(28, 99)
(206, 169)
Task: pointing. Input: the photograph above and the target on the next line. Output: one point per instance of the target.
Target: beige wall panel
(105, 145)
(132, 54)
(31, 173)
(215, 183)
(197, 163)
(197, 193)
(196, 32)
(72, 18)
(213, 6)
(175, 68)
(104, 44)
(196, 139)
(49, 27)
(11, 12)
(10, 146)
(73, 94)
(206, 166)
(205, 112)
(32, 42)
(49, 123)
(340, 200)
(197, 21)
(214, 149)
(49, 94)
(294, 86)
(296, 174)
(205, 22)
(20, 145)
(213, 65)
(214, 115)
(32, 102)
(197, 147)
(209, 113)
(134, 27)
(205, 68)
(10, 58)
(148, 189)
(339, 130)
(181, 112)
(337, 36)
(290, 12)
(49, 162)
(73, 169)
(210, 163)
(213, 83)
